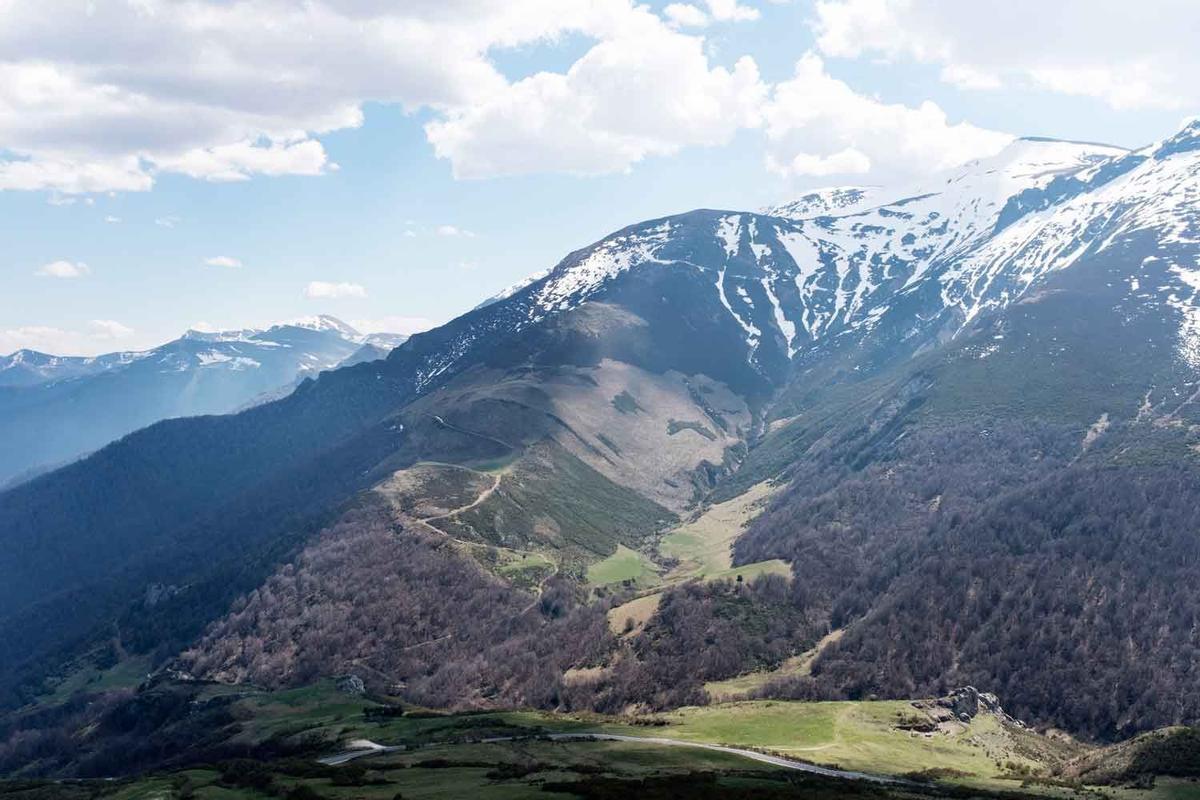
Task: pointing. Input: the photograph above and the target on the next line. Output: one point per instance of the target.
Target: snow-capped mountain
(57, 408)
(917, 262)
(29, 367)
(1148, 199)
(819, 273)
(231, 349)
(824, 202)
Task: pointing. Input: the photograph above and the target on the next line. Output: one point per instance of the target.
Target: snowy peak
(25, 358)
(1186, 140)
(916, 262)
(320, 323)
(191, 334)
(323, 323)
(31, 367)
(1148, 204)
(824, 202)
(311, 343)
(1026, 163)
(1035, 160)
(66, 406)
(509, 291)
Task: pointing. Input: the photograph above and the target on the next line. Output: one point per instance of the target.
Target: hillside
(690, 453)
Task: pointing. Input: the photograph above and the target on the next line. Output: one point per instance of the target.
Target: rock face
(967, 702)
(962, 705)
(351, 684)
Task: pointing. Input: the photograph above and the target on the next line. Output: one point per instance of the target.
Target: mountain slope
(54, 409)
(907, 374)
(1033, 492)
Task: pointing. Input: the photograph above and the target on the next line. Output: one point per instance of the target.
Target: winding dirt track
(483, 496)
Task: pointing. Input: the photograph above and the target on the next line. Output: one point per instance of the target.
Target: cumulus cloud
(649, 91)
(817, 125)
(731, 11)
(330, 290)
(685, 15)
(109, 329)
(1128, 57)
(63, 269)
(108, 96)
(223, 261)
(242, 160)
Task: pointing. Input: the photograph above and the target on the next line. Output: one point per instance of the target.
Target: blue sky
(111, 208)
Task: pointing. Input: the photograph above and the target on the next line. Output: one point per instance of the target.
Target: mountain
(54, 409)
(833, 201)
(921, 440)
(29, 367)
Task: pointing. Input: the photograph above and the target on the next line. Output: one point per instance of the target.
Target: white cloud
(223, 91)
(817, 125)
(649, 91)
(685, 15)
(223, 261)
(98, 337)
(43, 338)
(1126, 56)
(844, 162)
(967, 77)
(63, 269)
(326, 289)
(112, 95)
(393, 324)
(109, 329)
(111, 220)
(451, 230)
(241, 161)
(731, 11)
(64, 174)
(167, 222)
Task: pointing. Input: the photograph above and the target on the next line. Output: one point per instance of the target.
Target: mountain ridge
(54, 409)
(705, 352)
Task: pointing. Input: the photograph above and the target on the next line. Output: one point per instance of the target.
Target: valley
(341, 744)
(783, 482)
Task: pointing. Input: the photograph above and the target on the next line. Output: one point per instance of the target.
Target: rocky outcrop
(351, 684)
(963, 705)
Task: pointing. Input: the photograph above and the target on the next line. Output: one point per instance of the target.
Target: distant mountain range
(911, 440)
(56, 408)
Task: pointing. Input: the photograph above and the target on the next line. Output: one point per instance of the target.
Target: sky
(220, 164)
